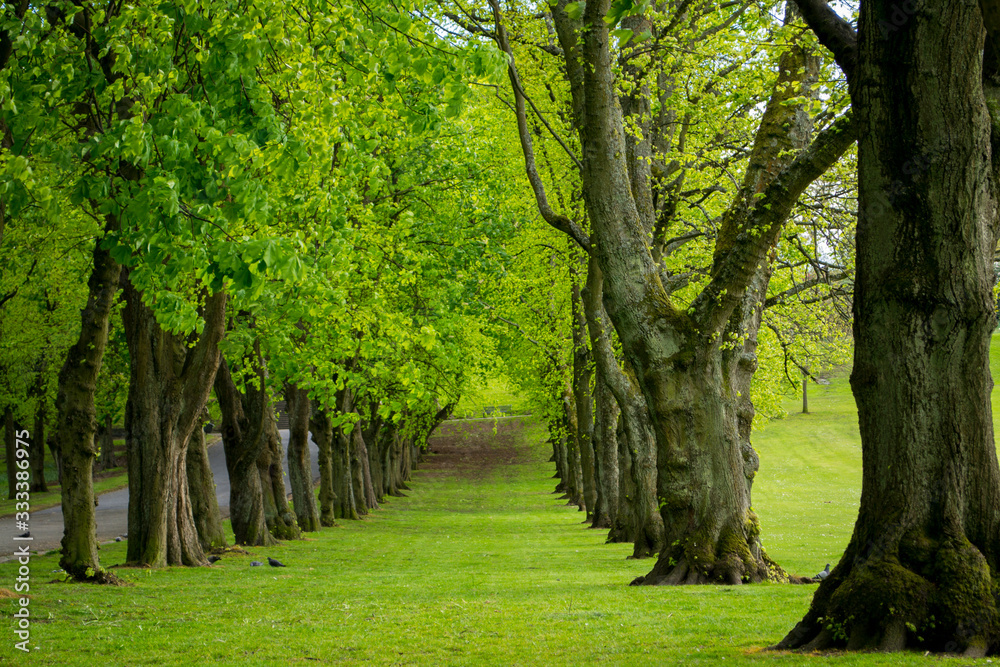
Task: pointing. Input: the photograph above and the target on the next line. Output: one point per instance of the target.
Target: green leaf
(623, 35)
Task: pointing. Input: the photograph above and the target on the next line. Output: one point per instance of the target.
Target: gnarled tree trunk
(605, 455)
(299, 468)
(244, 419)
(359, 451)
(201, 486)
(170, 382)
(277, 514)
(322, 434)
(640, 522)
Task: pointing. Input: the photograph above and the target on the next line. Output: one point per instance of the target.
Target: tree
(244, 438)
(920, 568)
(693, 363)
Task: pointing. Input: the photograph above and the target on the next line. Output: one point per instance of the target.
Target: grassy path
(480, 565)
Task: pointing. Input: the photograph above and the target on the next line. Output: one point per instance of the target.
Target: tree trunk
(277, 514)
(558, 441)
(299, 468)
(77, 423)
(53, 444)
(372, 434)
(921, 568)
(201, 486)
(584, 401)
(622, 529)
(710, 531)
(170, 382)
(635, 496)
(37, 452)
(322, 435)
(106, 460)
(805, 393)
(606, 456)
(360, 450)
(574, 472)
(10, 446)
(244, 415)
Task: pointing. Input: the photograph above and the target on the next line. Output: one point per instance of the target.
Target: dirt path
(472, 450)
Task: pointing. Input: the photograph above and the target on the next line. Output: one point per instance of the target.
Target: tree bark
(921, 568)
(201, 486)
(170, 382)
(299, 468)
(584, 401)
(77, 422)
(322, 435)
(244, 417)
(277, 514)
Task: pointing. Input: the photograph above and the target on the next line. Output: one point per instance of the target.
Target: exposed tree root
(943, 601)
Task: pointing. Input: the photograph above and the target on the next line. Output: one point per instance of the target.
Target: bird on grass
(824, 574)
(274, 563)
(255, 563)
(213, 559)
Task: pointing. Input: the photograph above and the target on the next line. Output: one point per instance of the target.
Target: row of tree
(248, 200)
(700, 208)
(647, 108)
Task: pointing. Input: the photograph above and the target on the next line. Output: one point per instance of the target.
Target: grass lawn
(478, 566)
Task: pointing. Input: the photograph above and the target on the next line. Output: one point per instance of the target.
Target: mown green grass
(465, 571)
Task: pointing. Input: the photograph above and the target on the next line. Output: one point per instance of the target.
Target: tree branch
(770, 210)
(833, 32)
(781, 297)
(560, 222)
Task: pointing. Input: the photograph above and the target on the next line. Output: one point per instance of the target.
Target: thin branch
(560, 222)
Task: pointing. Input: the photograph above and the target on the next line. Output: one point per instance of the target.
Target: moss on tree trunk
(201, 486)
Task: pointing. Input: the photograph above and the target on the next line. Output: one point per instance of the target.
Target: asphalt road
(46, 526)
